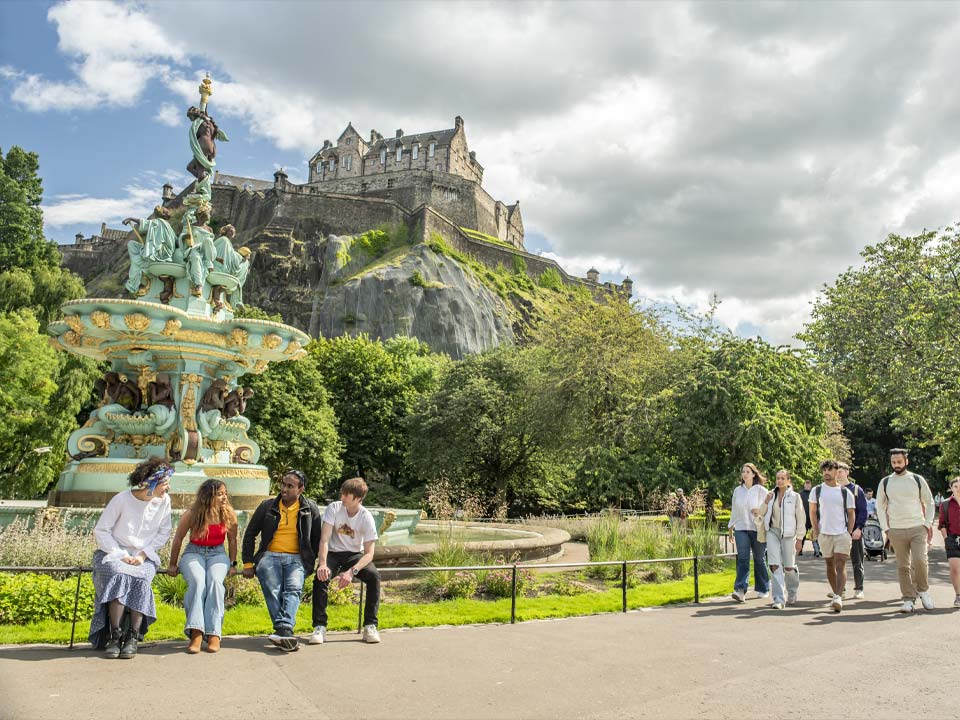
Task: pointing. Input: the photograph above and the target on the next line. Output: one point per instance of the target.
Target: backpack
(916, 480)
(815, 498)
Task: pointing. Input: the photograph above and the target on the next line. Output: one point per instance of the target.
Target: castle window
(416, 151)
(431, 149)
(363, 187)
(383, 156)
(390, 183)
(348, 162)
(399, 153)
(333, 164)
(319, 168)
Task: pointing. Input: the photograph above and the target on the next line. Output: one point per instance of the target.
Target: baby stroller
(873, 544)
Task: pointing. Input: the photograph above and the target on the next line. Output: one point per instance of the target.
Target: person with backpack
(832, 513)
(785, 521)
(805, 499)
(950, 529)
(905, 512)
(856, 548)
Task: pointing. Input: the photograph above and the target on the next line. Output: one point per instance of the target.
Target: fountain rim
(543, 537)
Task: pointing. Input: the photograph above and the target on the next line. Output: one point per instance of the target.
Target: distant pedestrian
(871, 504)
(805, 497)
(678, 511)
(832, 510)
(744, 527)
(856, 537)
(905, 512)
(785, 521)
(950, 529)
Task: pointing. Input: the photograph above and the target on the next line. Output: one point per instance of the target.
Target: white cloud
(170, 115)
(138, 201)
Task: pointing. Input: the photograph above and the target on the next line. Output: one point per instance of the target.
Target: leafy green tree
(480, 430)
(889, 331)
(294, 423)
(747, 401)
(373, 387)
(41, 289)
(22, 244)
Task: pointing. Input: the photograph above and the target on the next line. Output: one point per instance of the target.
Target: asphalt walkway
(716, 660)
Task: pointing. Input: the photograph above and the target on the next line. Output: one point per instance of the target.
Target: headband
(160, 475)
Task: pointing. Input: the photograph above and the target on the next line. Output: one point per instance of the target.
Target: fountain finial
(206, 90)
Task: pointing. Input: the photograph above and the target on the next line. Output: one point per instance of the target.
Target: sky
(744, 151)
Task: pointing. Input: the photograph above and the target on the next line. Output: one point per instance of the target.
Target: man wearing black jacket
(289, 530)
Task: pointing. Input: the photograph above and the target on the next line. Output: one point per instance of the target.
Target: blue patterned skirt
(133, 591)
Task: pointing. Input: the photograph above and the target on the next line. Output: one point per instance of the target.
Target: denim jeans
(782, 552)
(281, 579)
(746, 541)
(369, 576)
(204, 568)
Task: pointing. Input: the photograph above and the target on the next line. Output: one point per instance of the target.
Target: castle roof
(441, 137)
(242, 182)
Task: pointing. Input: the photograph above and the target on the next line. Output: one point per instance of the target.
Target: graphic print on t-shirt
(345, 529)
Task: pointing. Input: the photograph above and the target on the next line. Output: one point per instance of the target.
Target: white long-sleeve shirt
(128, 526)
(744, 501)
(903, 505)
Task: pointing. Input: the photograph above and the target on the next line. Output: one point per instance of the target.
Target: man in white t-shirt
(347, 542)
(832, 514)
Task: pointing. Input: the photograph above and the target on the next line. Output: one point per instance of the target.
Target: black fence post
(360, 610)
(696, 579)
(76, 604)
(513, 596)
(623, 584)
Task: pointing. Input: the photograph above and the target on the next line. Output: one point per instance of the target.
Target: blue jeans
(204, 569)
(281, 579)
(746, 541)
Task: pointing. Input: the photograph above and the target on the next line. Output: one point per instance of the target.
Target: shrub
(341, 596)
(565, 586)
(461, 584)
(52, 545)
(519, 265)
(30, 597)
(170, 590)
(416, 279)
(550, 279)
(243, 591)
(498, 583)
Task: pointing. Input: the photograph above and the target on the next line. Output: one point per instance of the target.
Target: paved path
(716, 660)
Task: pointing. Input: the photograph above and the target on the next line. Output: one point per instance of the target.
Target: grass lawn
(253, 619)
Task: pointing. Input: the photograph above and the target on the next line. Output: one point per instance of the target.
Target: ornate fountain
(176, 352)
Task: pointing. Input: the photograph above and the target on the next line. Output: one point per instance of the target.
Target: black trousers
(856, 559)
(369, 576)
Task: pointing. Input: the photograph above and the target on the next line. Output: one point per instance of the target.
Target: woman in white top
(134, 525)
(785, 522)
(745, 520)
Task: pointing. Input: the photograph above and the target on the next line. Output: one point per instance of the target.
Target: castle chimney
(457, 122)
(374, 136)
(167, 193)
(593, 275)
(473, 156)
(326, 144)
(399, 133)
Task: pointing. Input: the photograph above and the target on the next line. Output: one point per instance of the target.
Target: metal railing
(512, 567)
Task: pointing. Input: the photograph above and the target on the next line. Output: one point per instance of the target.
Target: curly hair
(207, 510)
(145, 469)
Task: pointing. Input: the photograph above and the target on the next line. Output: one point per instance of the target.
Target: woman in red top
(205, 564)
(950, 529)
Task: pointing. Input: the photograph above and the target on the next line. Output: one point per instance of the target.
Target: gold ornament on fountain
(206, 90)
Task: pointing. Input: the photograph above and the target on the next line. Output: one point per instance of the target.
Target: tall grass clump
(51, 545)
(451, 583)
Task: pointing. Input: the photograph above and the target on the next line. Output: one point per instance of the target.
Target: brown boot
(196, 637)
(213, 643)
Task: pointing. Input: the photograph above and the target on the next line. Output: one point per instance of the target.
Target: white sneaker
(926, 600)
(956, 603)
(738, 595)
(371, 634)
(907, 606)
(837, 603)
(318, 635)
(762, 595)
(858, 595)
(777, 606)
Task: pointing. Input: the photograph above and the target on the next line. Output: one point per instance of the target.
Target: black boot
(129, 648)
(112, 650)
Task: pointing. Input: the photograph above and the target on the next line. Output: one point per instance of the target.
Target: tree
(373, 386)
(746, 401)
(480, 430)
(294, 423)
(889, 331)
(22, 244)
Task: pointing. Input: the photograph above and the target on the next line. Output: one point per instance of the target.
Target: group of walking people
(772, 525)
(295, 538)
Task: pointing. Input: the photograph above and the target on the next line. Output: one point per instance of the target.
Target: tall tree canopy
(890, 330)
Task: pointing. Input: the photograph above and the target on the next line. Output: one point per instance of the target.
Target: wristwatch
(234, 564)
(354, 571)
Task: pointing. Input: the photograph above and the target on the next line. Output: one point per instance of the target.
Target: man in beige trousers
(905, 510)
